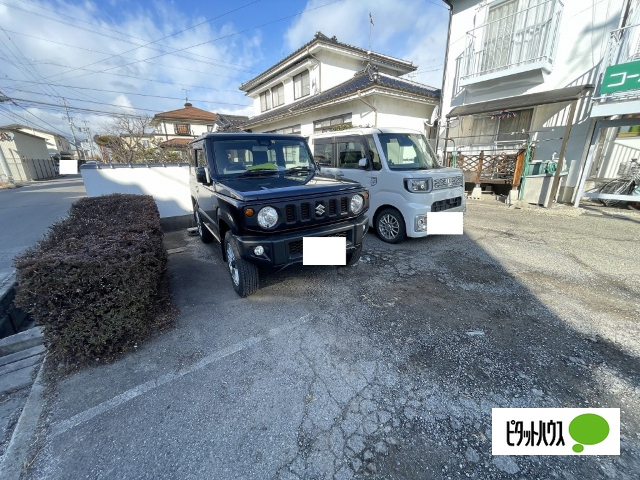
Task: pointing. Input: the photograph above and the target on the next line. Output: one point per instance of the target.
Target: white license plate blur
(324, 251)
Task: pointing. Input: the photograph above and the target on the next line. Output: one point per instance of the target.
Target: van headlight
(417, 185)
(356, 203)
(267, 217)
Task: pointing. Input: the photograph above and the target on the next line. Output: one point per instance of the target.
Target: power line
(133, 76)
(213, 40)
(106, 53)
(163, 38)
(107, 28)
(436, 4)
(37, 118)
(127, 93)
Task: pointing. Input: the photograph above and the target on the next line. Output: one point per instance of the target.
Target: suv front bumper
(286, 249)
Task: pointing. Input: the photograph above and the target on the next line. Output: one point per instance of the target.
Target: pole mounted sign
(621, 77)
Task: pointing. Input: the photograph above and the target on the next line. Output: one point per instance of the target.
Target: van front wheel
(390, 226)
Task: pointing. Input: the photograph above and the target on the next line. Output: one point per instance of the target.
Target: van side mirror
(201, 176)
(363, 163)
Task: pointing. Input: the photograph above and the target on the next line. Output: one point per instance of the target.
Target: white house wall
(392, 112)
(579, 49)
(337, 68)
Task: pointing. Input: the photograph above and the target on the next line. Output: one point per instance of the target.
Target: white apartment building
(523, 72)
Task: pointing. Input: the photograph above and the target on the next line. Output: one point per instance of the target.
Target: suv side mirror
(201, 176)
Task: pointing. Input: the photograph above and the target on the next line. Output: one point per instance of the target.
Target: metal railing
(623, 46)
(524, 37)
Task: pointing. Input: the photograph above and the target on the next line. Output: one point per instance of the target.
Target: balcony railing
(512, 42)
(623, 47)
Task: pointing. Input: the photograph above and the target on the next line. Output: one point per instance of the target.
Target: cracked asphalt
(386, 370)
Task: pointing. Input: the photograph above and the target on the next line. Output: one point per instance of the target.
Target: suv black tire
(244, 275)
(205, 235)
(390, 226)
(353, 256)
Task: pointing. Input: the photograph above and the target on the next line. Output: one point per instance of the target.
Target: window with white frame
(501, 129)
(277, 94)
(301, 85)
(294, 129)
(265, 100)
(516, 31)
(328, 124)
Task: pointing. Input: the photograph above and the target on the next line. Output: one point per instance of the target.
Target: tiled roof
(319, 37)
(176, 142)
(362, 81)
(189, 112)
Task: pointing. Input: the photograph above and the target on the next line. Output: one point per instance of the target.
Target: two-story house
(56, 143)
(176, 128)
(327, 84)
(519, 76)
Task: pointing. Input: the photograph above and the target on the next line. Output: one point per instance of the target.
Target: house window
(500, 129)
(277, 93)
(295, 130)
(330, 124)
(265, 100)
(301, 85)
(182, 128)
(516, 31)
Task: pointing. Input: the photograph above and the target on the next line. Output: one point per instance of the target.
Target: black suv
(260, 194)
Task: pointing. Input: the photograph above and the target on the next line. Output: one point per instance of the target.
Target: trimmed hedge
(97, 282)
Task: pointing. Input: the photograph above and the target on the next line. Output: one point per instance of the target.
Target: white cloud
(411, 29)
(212, 84)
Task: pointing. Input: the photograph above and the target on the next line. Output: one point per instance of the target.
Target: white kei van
(401, 172)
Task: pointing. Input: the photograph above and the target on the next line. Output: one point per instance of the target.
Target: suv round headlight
(267, 217)
(356, 203)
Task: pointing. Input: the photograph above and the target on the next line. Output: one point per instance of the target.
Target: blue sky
(111, 56)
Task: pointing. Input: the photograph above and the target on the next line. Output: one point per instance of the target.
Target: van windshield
(407, 151)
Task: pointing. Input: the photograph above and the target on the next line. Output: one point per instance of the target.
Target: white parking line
(82, 417)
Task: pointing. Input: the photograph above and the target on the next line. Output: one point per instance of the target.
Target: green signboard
(621, 77)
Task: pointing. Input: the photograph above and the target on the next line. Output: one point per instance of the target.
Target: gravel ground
(387, 370)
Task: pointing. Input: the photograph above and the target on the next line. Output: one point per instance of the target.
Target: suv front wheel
(244, 275)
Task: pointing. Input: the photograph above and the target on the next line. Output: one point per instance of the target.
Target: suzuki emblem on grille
(319, 209)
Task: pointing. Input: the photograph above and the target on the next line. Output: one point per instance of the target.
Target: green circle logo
(588, 429)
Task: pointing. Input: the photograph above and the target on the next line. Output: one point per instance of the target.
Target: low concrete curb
(21, 341)
(15, 456)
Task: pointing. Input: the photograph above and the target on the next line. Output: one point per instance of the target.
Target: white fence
(167, 184)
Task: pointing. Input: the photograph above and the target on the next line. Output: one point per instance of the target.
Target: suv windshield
(407, 151)
(246, 156)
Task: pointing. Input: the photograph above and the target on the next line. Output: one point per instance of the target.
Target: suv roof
(244, 135)
(366, 131)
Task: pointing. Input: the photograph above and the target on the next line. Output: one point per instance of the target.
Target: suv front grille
(441, 205)
(343, 206)
(332, 207)
(290, 212)
(304, 211)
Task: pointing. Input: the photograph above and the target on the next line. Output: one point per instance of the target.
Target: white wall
(579, 49)
(168, 185)
(24, 145)
(392, 112)
(337, 68)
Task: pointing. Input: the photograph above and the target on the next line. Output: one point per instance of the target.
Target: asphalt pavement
(388, 369)
(26, 212)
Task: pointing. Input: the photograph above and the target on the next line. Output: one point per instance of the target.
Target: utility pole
(87, 130)
(4, 166)
(73, 135)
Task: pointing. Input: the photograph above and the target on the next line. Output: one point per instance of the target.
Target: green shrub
(97, 282)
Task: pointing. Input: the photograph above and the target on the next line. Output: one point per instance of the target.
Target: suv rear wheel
(390, 225)
(244, 275)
